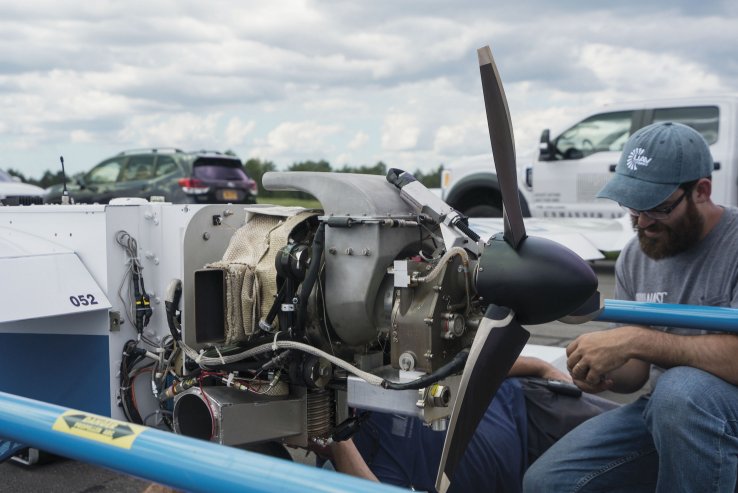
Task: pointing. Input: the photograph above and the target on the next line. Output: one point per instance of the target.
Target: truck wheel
(483, 210)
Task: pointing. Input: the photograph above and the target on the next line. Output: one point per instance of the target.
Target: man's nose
(644, 221)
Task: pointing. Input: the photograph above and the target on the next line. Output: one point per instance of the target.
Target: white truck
(574, 165)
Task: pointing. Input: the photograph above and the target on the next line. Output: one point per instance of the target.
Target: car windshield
(211, 171)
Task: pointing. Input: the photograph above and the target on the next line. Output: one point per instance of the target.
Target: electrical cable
(453, 366)
(142, 303)
(211, 361)
(431, 276)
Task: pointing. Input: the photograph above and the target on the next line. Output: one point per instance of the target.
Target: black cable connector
(349, 427)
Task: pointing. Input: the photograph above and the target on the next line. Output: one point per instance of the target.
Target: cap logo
(637, 158)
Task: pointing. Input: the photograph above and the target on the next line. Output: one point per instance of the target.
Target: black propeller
(525, 279)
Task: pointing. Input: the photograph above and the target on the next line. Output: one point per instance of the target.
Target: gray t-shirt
(706, 274)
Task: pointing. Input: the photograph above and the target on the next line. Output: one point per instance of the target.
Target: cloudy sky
(352, 82)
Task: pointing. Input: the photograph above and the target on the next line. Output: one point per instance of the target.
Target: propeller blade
(531, 281)
(497, 344)
(503, 146)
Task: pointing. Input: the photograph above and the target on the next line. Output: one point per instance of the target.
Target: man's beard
(677, 238)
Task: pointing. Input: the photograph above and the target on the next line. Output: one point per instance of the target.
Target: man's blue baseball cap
(655, 161)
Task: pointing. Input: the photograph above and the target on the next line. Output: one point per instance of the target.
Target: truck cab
(572, 166)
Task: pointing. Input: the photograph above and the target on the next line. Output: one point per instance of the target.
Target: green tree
(50, 178)
(378, 169)
(256, 168)
(431, 179)
(321, 166)
(17, 174)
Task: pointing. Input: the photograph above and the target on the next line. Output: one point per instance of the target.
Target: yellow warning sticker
(98, 428)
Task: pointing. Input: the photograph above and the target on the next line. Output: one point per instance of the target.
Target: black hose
(310, 277)
(171, 306)
(266, 324)
(132, 355)
(453, 366)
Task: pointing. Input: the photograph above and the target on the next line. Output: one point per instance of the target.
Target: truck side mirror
(546, 148)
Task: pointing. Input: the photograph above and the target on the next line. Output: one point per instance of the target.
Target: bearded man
(683, 434)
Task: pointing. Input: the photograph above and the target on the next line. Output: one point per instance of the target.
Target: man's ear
(702, 191)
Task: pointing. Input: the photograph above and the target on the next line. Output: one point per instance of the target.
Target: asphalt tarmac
(68, 476)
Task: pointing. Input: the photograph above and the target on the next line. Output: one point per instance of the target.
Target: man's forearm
(526, 366)
(713, 353)
(348, 460)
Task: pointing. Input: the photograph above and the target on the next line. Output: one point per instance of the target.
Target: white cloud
(359, 140)
(636, 71)
(463, 138)
(81, 136)
(292, 139)
(237, 131)
(303, 80)
(185, 130)
(400, 132)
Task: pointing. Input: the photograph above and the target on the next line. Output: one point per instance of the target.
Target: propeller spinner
(525, 279)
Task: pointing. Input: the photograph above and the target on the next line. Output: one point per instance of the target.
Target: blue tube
(174, 460)
(712, 318)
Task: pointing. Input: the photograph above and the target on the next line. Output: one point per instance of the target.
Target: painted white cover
(38, 286)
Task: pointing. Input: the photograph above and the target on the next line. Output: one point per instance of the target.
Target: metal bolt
(332, 250)
(349, 251)
(407, 361)
(206, 236)
(366, 252)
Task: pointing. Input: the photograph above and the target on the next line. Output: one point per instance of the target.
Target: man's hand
(321, 449)
(601, 386)
(592, 356)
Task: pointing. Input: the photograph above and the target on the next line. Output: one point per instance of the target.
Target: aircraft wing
(589, 238)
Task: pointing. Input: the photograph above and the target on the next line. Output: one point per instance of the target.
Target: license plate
(230, 195)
